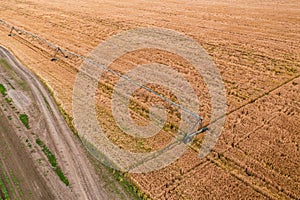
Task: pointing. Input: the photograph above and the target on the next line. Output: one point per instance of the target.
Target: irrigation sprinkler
(11, 31)
(58, 50)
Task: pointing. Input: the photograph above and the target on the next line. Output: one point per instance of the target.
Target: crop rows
(256, 52)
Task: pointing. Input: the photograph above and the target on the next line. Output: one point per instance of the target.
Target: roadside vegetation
(9, 101)
(52, 160)
(2, 90)
(24, 120)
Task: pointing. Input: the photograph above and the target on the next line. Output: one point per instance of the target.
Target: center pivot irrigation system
(187, 138)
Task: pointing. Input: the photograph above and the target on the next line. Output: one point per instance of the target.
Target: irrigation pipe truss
(188, 137)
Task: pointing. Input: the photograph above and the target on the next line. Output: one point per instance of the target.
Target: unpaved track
(83, 183)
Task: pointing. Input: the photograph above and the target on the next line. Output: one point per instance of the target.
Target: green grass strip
(52, 159)
(2, 90)
(24, 120)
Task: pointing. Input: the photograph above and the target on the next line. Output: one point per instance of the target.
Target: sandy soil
(256, 48)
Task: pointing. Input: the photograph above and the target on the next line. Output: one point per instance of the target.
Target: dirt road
(84, 182)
